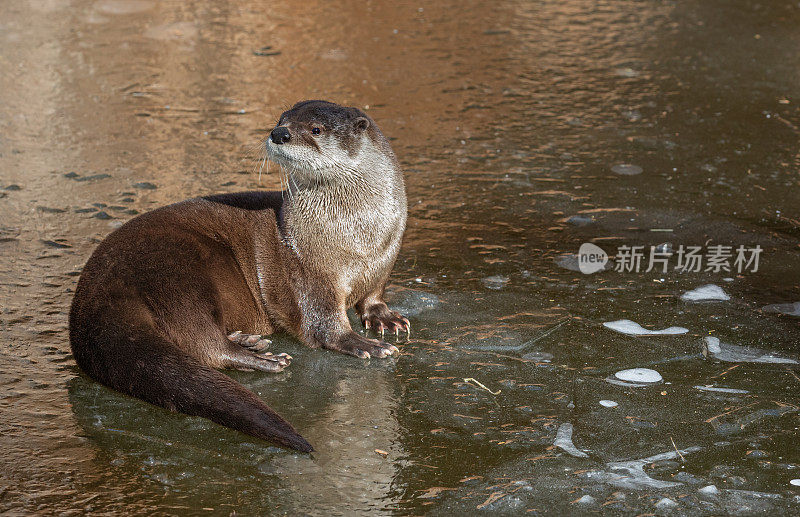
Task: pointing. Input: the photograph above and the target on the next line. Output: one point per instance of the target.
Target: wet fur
(156, 301)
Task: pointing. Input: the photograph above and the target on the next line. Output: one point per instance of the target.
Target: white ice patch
(631, 475)
(795, 482)
(706, 293)
(790, 309)
(634, 329)
(608, 403)
(639, 376)
(564, 441)
(720, 390)
(740, 354)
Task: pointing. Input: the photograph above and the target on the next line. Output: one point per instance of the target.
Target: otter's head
(321, 141)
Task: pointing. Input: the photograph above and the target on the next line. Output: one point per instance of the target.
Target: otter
(176, 294)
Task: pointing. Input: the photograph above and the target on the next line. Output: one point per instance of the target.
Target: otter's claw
(380, 319)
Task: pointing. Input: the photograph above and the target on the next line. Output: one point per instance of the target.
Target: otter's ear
(361, 124)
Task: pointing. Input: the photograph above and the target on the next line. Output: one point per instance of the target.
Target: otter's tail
(149, 368)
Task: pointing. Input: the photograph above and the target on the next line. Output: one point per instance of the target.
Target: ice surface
(740, 354)
(564, 441)
(705, 293)
(795, 482)
(608, 403)
(639, 375)
(634, 329)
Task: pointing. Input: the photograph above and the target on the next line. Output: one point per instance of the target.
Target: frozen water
(705, 293)
(564, 441)
(608, 403)
(639, 375)
(634, 329)
(790, 309)
(795, 482)
(626, 169)
(740, 354)
(720, 390)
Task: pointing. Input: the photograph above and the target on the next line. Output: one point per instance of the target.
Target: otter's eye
(316, 130)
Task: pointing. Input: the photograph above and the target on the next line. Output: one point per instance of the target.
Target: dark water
(508, 118)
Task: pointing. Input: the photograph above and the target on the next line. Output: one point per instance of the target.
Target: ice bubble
(626, 169)
(720, 390)
(626, 72)
(539, 357)
(586, 500)
(634, 329)
(709, 490)
(639, 375)
(666, 504)
(564, 441)
(580, 220)
(789, 309)
(705, 293)
(495, 282)
(740, 354)
(608, 403)
(795, 482)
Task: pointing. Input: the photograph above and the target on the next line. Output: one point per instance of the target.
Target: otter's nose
(280, 135)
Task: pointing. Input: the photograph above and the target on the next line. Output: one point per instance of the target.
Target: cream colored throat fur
(344, 222)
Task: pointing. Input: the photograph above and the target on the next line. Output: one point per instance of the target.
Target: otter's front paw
(359, 346)
(381, 318)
